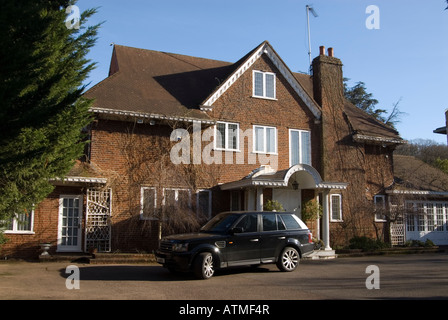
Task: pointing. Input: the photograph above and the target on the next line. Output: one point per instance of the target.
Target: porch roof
(80, 174)
(307, 178)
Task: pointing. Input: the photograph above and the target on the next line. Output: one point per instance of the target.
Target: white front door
(291, 200)
(70, 218)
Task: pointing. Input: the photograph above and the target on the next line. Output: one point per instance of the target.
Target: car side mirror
(236, 230)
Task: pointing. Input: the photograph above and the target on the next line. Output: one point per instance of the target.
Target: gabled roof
(247, 61)
(154, 84)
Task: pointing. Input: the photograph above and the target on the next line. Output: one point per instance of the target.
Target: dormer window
(264, 85)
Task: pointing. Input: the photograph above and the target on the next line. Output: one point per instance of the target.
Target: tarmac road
(414, 276)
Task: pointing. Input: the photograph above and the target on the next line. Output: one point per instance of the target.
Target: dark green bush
(366, 244)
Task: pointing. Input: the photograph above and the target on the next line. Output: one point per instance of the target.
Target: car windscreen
(220, 223)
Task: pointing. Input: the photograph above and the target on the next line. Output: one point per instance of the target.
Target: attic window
(264, 84)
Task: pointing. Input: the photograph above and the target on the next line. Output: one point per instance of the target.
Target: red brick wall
(45, 228)
(284, 113)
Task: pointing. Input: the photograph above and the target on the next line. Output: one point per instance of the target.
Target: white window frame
(176, 195)
(227, 140)
(300, 146)
(264, 96)
(340, 208)
(209, 192)
(383, 207)
(15, 225)
(142, 201)
(264, 139)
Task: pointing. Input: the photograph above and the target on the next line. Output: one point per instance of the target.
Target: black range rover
(238, 238)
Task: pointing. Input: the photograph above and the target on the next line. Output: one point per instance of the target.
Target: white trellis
(98, 228)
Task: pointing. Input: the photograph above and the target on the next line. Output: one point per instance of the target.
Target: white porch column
(326, 219)
(259, 199)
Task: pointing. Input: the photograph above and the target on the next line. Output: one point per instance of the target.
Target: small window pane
(270, 85)
(221, 135)
(336, 207)
(233, 136)
(270, 140)
(306, 147)
(295, 148)
(148, 202)
(259, 139)
(258, 84)
(248, 223)
(269, 222)
(290, 222)
(280, 225)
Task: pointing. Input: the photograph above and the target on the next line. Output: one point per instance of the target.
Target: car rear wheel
(203, 266)
(288, 260)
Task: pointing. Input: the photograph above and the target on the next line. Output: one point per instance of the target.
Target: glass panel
(294, 135)
(270, 85)
(259, 139)
(23, 222)
(280, 225)
(248, 223)
(148, 202)
(335, 207)
(233, 136)
(221, 135)
(290, 222)
(306, 147)
(183, 199)
(270, 140)
(439, 216)
(269, 222)
(420, 217)
(430, 216)
(258, 84)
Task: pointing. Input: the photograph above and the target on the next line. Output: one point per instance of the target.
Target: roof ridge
(172, 53)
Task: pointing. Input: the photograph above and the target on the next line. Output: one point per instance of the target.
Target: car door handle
(281, 238)
(254, 240)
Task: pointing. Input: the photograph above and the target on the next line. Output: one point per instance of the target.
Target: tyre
(288, 260)
(203, 266)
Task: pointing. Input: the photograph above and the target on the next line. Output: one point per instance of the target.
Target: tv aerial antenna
(314, 13)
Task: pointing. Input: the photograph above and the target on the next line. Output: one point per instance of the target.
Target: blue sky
(406, 58)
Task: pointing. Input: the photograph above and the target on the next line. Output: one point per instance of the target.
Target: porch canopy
(297, 177)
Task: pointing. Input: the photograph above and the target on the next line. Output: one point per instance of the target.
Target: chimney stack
(329, 94)
(322, 50)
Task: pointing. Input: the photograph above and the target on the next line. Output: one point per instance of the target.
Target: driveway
(416, 276)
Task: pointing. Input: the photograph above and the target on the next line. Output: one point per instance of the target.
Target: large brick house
(176, 139)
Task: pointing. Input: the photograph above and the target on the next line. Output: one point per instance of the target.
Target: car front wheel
(203, 266)
(288, 260)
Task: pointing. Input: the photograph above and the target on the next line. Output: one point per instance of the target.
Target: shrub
(366, 244)
(273, 205)
(419, 243)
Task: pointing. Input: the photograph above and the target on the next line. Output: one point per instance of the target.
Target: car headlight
(180, 247)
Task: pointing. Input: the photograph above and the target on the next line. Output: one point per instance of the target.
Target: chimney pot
(330, 52)
(322, 50)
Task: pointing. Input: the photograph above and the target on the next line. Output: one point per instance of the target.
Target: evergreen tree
(42, 113)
